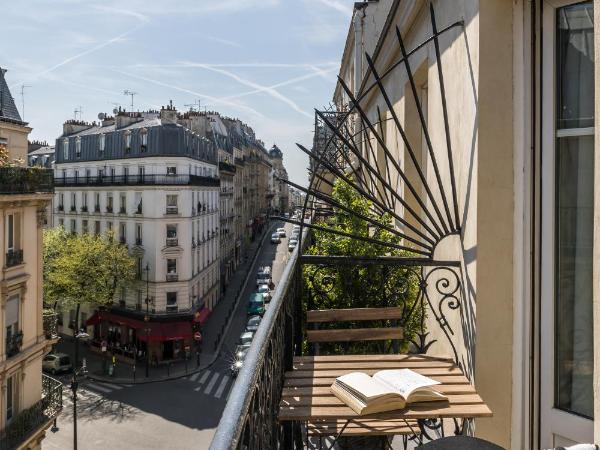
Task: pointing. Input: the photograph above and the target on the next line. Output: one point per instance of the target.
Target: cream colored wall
(17, 140)
(596, 267)
(478, 78)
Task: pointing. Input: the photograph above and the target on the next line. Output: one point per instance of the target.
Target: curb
(205, 366)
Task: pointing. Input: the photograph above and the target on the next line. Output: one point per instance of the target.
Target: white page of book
(404, 381)
(364, 384)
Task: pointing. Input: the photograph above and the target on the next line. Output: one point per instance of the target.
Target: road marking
(194, 377)
(221, 388)
(212, 383)
(110, 385)
(97, 387)
(204, 377)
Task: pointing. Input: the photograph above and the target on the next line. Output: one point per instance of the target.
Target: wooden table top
(307, 397)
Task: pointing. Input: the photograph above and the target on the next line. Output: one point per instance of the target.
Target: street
(175, 414)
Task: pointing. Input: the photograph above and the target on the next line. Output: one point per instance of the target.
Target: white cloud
(266, 89)
(224, 41)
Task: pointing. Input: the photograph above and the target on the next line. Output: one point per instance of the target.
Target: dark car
(253, 323)
(256, 305)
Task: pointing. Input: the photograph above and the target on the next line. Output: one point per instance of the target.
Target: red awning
(201, 316)
(168, 331)
(99, 316)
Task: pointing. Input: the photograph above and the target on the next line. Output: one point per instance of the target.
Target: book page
(364, 385)
(404, 381)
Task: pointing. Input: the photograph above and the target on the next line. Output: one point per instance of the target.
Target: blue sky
(268, 62)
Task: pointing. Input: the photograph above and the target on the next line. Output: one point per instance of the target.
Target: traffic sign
(197, 336)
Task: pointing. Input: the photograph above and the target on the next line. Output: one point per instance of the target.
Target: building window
(172, 170)
(65, 146)
(141, 173)
(101, 143)
(13, 233)
(73, 226)
(172, 204)
(171, 301)
(172, 235)
(11, 325)
(61, 222)
(138, 203)
(127, 141)
(126, 172)
(171, 266)
(138, 233)
(574, 165)
(144, 140)
(84, 202)
(122, 232)
(97, 202)
(78, 147)
(109, 203)
(122, 201)
(97, 227)
(109, 226)
(11, 398)
(84, 226)
(139, 268)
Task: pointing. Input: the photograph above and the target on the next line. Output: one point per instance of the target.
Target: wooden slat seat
(363, 427)
(354, 315)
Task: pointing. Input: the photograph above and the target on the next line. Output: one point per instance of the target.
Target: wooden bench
(353, 334)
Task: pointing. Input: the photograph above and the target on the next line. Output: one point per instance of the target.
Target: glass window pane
(573, 310)
(575, 59)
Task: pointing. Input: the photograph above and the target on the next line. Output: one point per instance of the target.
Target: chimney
(75, 126)
(168, 114)
(124, 118)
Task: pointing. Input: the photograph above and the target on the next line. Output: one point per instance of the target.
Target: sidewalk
(213, 333)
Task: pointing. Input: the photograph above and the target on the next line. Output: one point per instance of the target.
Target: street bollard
(169, 369)
(186, 369)
(134, 373)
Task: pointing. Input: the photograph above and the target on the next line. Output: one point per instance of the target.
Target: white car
(281, 232)
(264, 270)
(292, 244)
(246, 337)
(56, 363)
(265, 291)
(275, 239)
(263, 279)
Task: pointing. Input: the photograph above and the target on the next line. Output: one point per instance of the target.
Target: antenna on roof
(131, 93)
(79, 111)
(23, 86)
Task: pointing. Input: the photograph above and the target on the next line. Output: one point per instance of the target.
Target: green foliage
(360, 286)
(84, 269)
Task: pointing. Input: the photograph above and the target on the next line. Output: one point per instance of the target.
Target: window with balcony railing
(172, 204)
(172, 302)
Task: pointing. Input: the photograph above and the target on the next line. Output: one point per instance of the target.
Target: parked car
(241, 350)
(264, 279)
(295, 235)
(286, 215)
(264, 270)
(253, 323)
(265, 291)
(275, 239)
(281, 232)
(292, 244)
(246, 338)
(56, 363)
(256, 305)
(296, 228)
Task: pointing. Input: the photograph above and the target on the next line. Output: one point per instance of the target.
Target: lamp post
(75, 384)
(147, 319)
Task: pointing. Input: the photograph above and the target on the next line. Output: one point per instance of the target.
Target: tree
(83, 269)
(361, 286)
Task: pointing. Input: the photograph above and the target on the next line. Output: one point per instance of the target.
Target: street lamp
(75, 384)
(147, 319)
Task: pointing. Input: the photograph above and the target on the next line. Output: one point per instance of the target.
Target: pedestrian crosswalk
(209, 382)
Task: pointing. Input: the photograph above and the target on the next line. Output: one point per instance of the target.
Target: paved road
(177, 414)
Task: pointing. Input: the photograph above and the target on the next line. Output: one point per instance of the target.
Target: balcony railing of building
(14, 258)
(172, 242)
(226, 167)
(13, 344)
(26, 180)
(35, 418)
(425, 293)
(172, 277)
(138, 180)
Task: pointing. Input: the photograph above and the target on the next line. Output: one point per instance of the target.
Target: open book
(384, 391)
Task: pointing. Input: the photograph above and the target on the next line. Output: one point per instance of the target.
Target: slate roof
(8, 109)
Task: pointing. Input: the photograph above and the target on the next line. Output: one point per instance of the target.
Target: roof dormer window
(65, 145)
(144, 139)
(101, 143)
(78, 147)
(127, 141)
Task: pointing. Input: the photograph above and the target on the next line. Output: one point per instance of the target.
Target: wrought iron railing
(25, 180)
(31, 420)
(137, 180)
(14, 258)
(13, 343)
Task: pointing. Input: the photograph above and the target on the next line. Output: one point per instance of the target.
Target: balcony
(61, 207)
(172, 242)
(35, 418)
(226, 167)
(137, 180)
(13, 344)
(84, 209)
(97, 208)
(73, 208)
(14, 258)
(172, 210)
(122, 210)
(109, 209)
(26, 180)
(172, 277)
(138, 241)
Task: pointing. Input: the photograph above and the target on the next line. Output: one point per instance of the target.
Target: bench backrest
(354, 315)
